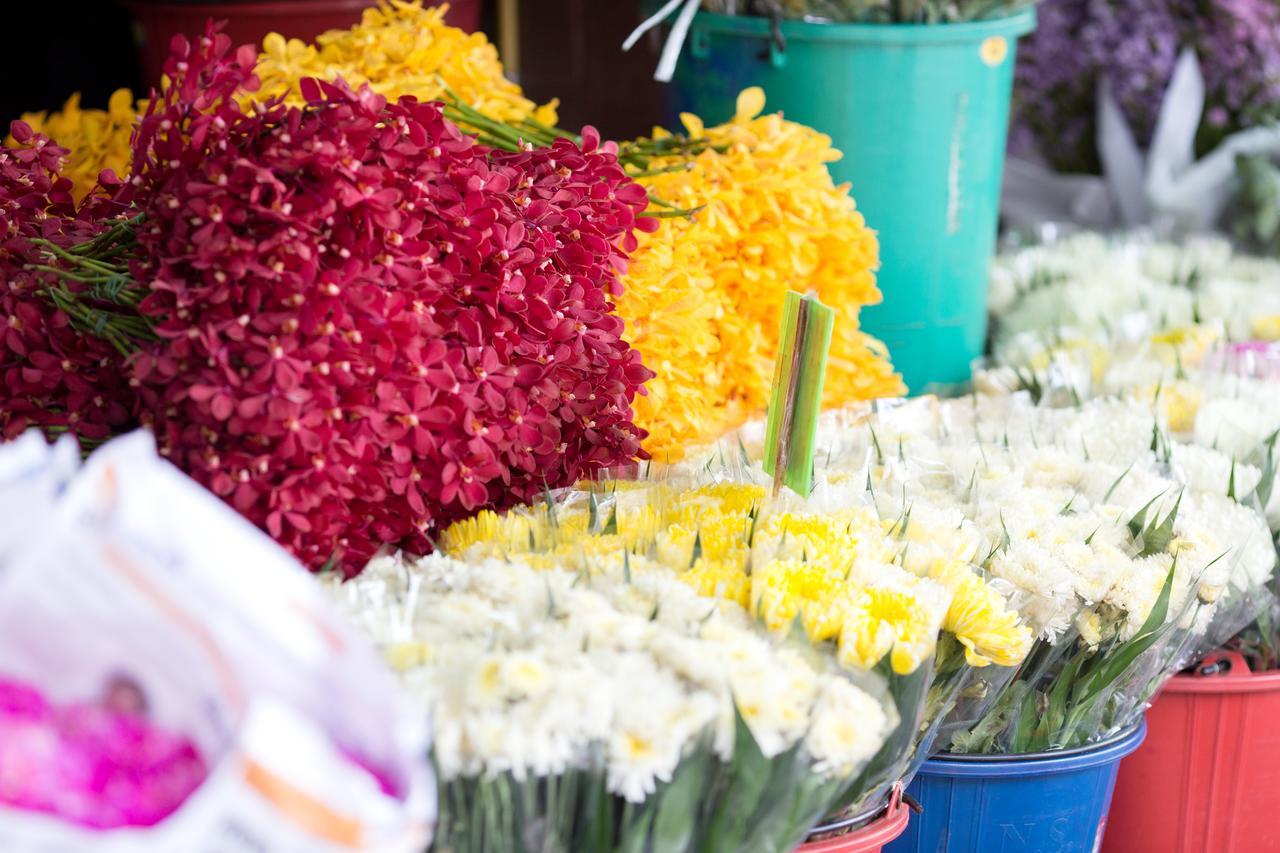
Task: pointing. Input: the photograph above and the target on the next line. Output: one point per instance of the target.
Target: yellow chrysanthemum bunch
(400, 48)
(703, 295)
(832, 573)
(97, 139)
(981, 619)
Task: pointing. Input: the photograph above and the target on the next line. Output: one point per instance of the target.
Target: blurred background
(554, 48)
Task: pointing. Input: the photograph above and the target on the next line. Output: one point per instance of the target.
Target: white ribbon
(675, 39)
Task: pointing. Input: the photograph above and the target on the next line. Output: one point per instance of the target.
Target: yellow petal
(275, 46)
(121, 106)
(750, 103)
(692, 124)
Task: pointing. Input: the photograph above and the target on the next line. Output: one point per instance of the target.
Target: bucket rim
(1040, 763)
(1018, 24)
(1250, 682)
(873, 836)
(859, 820)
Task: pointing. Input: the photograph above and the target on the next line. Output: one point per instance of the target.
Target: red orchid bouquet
(350, 320)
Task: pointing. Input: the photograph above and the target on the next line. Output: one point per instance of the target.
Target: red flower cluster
(370, 324)
(51, 376)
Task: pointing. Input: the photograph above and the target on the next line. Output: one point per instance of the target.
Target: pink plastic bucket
(866, 839)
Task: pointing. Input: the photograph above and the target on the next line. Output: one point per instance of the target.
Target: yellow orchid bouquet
(831, 571)
(398, 48)
(97, 139)
(703, 294)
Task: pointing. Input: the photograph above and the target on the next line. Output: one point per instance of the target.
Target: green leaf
(611, 526)
(1156, 538)
(678, 802)
(1113, 664)
(1055, 713)
(875, 442)
(1110, 491)
(982, 737)
(1138, 522)
(1024, 726)
(1267, 483)
(634, 836)
(749, 772)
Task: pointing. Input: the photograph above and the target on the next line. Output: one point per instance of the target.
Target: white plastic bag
(126, 568)
(1164, 187)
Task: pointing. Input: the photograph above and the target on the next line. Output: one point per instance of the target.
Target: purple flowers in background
(1133, 45)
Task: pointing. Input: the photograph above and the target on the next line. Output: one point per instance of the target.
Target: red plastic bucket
(869, 838)
(1207, 778)
(156, 22)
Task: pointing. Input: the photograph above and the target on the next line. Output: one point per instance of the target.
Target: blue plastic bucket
(1045, 801)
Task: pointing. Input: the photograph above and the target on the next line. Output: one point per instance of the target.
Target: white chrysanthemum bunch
(538, 673)
(1106, 532)
(1088, 284)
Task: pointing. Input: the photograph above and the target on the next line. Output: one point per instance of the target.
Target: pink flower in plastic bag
(90, 764)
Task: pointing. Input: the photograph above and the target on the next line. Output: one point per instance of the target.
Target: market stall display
(352, 324)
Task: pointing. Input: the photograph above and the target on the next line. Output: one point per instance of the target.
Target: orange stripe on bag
(303, 809)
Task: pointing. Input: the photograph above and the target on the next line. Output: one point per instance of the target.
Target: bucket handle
(777, 42)
(1223, 664)
(898, 796)
(775, 54)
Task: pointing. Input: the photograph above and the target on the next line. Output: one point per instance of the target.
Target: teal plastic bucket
(1046, 801)
(921, 113)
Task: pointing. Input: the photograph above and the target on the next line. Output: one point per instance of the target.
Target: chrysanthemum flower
(980, 618)
(828, 572)
(812, 591)
(893, 622)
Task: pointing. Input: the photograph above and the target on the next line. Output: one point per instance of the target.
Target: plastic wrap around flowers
(1125, 562)
(894, 595)
(1127, 566)
(348, 320)
(1186, 332)
(613, 711)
